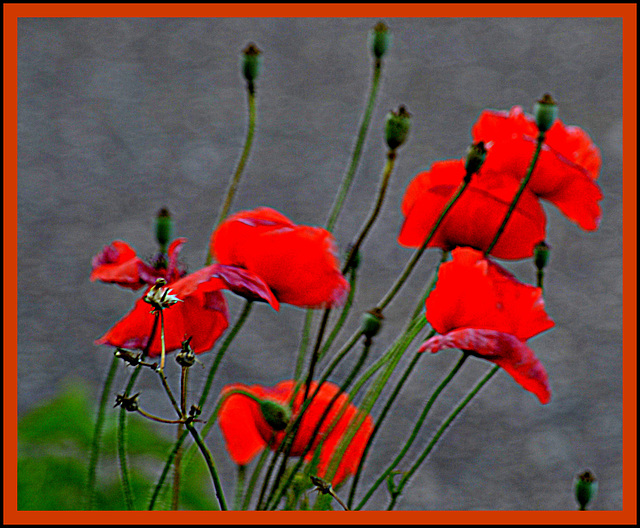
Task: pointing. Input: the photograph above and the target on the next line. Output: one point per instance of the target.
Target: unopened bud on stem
(380, 39)
(396, 128)
(545, 112)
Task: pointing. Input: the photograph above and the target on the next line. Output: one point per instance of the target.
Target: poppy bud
(476, 154)
(380, 38)
(545, 111)
(371, 322)
(164, 228)
(396, 127)
(586, 487)
(276, 415)
(251, 62)
(541, 255)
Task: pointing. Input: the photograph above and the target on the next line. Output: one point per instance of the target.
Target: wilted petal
(500, 348)
(119, 264)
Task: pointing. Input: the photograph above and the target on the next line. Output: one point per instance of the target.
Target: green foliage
(54, 445)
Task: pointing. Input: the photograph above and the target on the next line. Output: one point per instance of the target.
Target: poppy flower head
(481, 308)
(475, 217)
(297, 262)
(567, 168)
(118, 263)
(247, 431)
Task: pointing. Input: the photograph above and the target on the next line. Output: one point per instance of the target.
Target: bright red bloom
(566, 170)
(475, 217)
(297, 262)
(481, 308)
(202, 313)
(246, 432)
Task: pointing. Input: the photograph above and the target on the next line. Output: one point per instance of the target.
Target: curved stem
(525, 180)
(122, 443)
(227, 342)
(416, 256)
(210, 464)
(438, 434)
(357, 151)
(97, 433)
(165, 471)
(235, 179)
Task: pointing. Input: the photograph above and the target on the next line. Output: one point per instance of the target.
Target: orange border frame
(628, 12)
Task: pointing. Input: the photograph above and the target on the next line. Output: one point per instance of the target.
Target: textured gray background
(119, 117)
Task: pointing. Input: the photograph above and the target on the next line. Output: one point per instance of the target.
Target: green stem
(416, 256)
(227, 342)
(343, 316)
(165, 471)
(122, 443)
(97, 433)
(176, 466)
(414, 433)
(210, 464)
(438, 434)
(382, 190)
(357, 151)
(237, 499)
(532, 164)
(304, 342)
(254, 479)
(235, 179)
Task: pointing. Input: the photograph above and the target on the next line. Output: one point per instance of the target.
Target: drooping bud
(476, 154)
(396, 128)
(545, 112)
(275, 414)
(164, 228)
(380, 39)
(541, 255)
(586, 487)
(251, 62)
(371, 322)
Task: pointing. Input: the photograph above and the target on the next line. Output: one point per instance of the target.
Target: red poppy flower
(566, 170)
(202, 313)
(118, 263)
(475, 217)
(297, 262)
(246, 431)
(483, 309)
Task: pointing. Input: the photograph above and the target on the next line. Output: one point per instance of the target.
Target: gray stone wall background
(119, 117)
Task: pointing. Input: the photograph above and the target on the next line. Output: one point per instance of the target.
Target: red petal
(566, 170)
(202, 315)
(475, 218)
(236, 418)
(500, 348)
(118, 263)
(475, 292)
(298, 263)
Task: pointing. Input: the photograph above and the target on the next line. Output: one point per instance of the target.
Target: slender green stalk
(176, 466)
(304, 343)
(210, 464)
(525, 180)
(237, 499)
(418, 253)
(437, 436)
(165, 471)
(235, 179)
(254, 478)
(227, 342)
(382, 190)
(343, 316)
(357, 150)
(97, 433)
(414, 433)
(122, 443)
